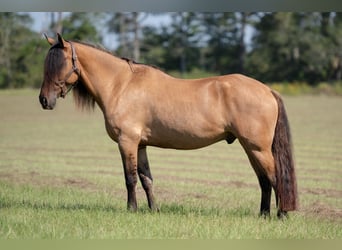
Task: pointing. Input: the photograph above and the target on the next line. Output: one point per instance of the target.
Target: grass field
(61, 177)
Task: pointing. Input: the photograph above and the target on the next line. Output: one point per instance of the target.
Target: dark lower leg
(131, 182)
(280, 213)
(266, 191)
(129, 159)
(146, 178)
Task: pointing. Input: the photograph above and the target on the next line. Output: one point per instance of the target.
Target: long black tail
(286, 183)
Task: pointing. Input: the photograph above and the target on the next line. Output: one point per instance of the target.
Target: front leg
(129, 149)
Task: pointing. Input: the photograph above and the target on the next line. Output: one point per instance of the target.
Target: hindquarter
(254, 113)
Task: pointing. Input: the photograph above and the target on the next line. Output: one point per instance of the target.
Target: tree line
(272, 47)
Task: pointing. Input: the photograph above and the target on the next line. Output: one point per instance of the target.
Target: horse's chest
(112, 130)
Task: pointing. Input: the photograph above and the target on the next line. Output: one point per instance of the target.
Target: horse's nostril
(43, 101)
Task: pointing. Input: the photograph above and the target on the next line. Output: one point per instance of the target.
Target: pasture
(61, 177)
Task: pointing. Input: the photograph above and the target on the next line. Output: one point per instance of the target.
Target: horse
(143, 106)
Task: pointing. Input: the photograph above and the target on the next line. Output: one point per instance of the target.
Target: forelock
(54, 62)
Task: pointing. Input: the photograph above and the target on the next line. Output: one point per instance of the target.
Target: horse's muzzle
(45, 103)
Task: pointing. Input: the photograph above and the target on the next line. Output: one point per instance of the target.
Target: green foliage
(29, 72)
(292, 89)
(302, 88)
(291, 46)
(193, 74)
(20, 52)
(225, 46)
(81, 26)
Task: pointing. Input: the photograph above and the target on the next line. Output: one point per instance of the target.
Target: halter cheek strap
(74, 69)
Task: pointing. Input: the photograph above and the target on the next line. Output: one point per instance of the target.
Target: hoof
(132, 209)
(282, 215)
(155, 209)
(264, 214)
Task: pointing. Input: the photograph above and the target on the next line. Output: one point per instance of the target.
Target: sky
(38, 19)
(41, 20)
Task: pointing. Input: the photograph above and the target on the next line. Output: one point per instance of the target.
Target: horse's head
(61, 72)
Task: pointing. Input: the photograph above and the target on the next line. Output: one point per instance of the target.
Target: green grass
(61, 177)
(63, 213)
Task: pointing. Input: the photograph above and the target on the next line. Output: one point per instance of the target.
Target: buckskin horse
(143, 106)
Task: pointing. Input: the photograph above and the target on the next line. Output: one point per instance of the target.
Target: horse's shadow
(165, 208)
(185, 210)
(66, 206)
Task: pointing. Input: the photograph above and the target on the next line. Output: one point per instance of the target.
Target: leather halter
(62, 83)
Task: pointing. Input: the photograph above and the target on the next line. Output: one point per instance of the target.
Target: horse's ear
(60, 40)
(50, 40)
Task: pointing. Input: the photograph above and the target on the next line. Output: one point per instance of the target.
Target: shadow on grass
(179, 209)
(167, 209)
(45, 205)
(46, 199)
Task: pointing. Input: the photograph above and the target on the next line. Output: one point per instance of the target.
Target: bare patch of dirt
(333, 193)
(37, 179)
(79, 183)
(319, 209)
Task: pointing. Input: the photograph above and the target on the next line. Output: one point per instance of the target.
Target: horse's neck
(102, 73)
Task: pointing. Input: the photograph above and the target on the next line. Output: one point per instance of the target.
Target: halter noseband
(74, 69)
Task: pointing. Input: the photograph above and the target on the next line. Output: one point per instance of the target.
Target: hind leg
(145, 177)
(264, 182)
(263, 164)
(266, 191)
(280, 213)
